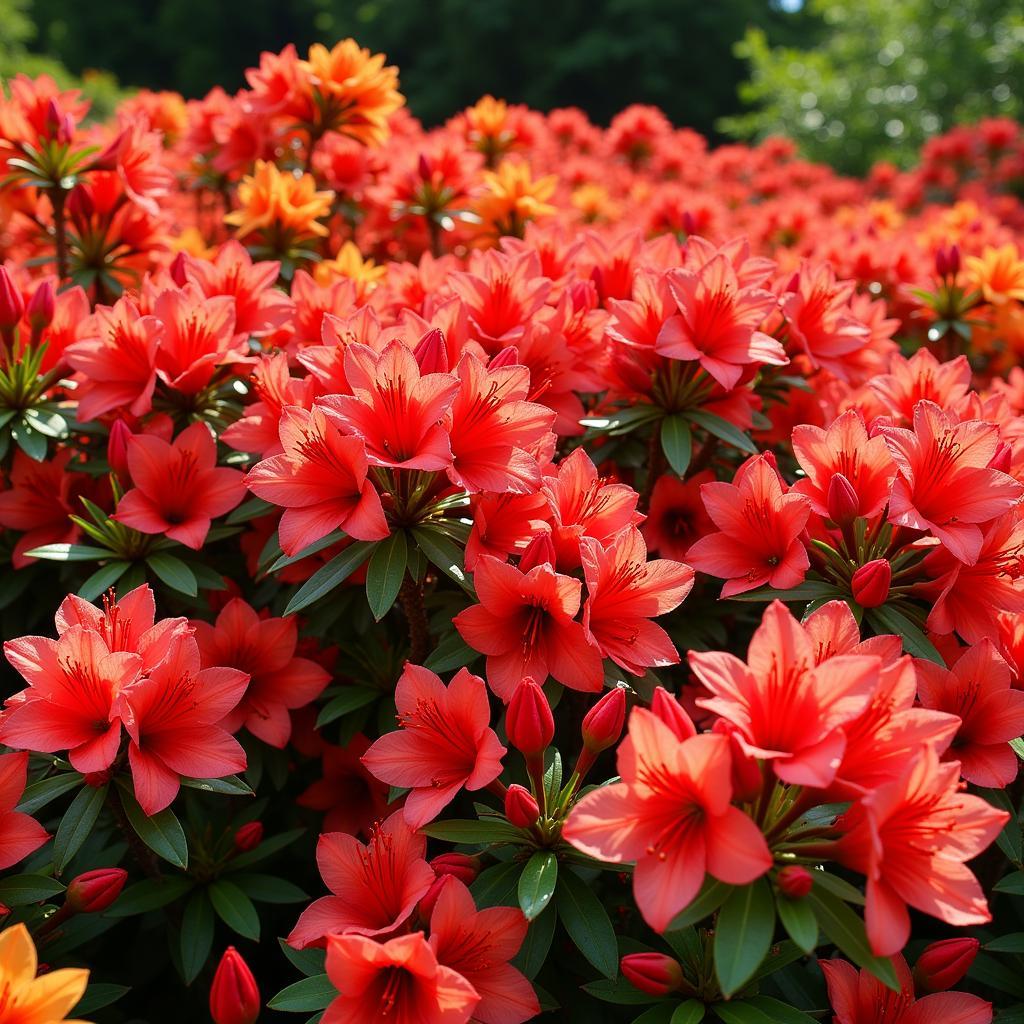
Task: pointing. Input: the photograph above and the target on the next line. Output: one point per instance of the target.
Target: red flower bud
(941, 261)
(94, 891)
(1002, 459)
(178, 268)
(460, 865)
(117, 450)
(506, 357)
(425, 168)
(234, 997)
(41, 306)
(841, 501)
(12, 305)
(53, 117)
(672, 713)
(529, 724)
(794, 881)
(540, 551)
(249, 836)
(942, 964)
(431, 352)
(653, 973)
(870, 583)
(953, 260)
(520, 807)
(97, 779)
(4, 910)
(602, 724)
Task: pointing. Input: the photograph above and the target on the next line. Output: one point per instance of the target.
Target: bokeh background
(852, 82)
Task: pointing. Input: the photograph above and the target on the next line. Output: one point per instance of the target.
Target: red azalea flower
(504, 524)
(20, 834)
(173, 716)
(624, 592)
(264, 649)
(399, 980)
(178, 487)
(676, 516)
(374, 887)
(525, 625)
(672, 814)
(352, 799)
(921, 378)
(444, 742)
(199, 335)
(478, 945)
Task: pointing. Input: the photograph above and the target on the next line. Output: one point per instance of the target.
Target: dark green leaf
(230, 785)
(334, 537)
(385, 573)
(174, 572)
(150, 894)
(38, 794)
(537, 883)
(780, 1012)
(496, 886)
(309, 961)
(235, 909)
(743, 933)
(309, 994)
(845, 929)
(1012, 943)
(587, 923)
(741, 1012)
(1012, 883)
(721, 429)
(445, 554)
(799, 921)
(251, 509)
(269, 889)
(469, 830)
(1010, 840)
(677, 443)
(452, 652)
(196, 935)
(104, 577)
(690, 1012)
(20, 890)
(69, 553)
(620, 992)
(33, 443)
(887, 619)
(332, 575)
(162, 832)
(266, 849)
(76, 824)
(534, 951)
(350, 699)
(97, 996)
(711, 896)
(809, 590)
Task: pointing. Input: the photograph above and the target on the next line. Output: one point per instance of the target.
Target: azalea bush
(515, 570)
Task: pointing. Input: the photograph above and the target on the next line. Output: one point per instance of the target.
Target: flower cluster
(593, 557)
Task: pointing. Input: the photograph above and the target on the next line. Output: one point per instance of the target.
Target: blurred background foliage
(851, 82)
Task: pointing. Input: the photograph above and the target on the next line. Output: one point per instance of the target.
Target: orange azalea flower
(26, 999)
(350, 263)
(277, 204)
(357, 93)
(999, 273)
(512, 197)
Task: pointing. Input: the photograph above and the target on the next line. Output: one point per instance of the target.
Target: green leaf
(174, 572)
(452, 652)
(677, 443)
(69, 553)
(845, 929)
(711, 896)
(230, 785)
(1012, 943)
(97, 996)
(266, 849)
(196, 939)
(722, 429)
(76, 824)
(269, 889)
(799, 921)
(660, 1014)
(104, 577)
(837, 886)
(385, 573)
(690, 1012)
(38, 794)
(1010, 840)
(587, 923)
(741, 1012)
(309, 994)
(235, 909)
(334, 537)
(1012, 883)
(332, 575)
(445, 554)
(886, 619)
(496, 886)
(537, 883)
(533, 953)
(779, 1012)
(746, 924)
(20, 890)
(162, 832)
(33, 443)
(309, 961)
(350, 699)
(809, 590)
(251, 509)
(470, 830)
(150, 894)
(620, 992)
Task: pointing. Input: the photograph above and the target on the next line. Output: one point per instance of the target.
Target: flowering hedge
(513, 569)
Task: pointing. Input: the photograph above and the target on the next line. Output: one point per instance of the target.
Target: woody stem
(410, 596)
(57, 197)
(655, 467)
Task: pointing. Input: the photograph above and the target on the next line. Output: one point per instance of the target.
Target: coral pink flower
(478, 945)
(352, 799)
(20, 834)
(858, 997)
(71, 702)
(173, 716)
(504, 524)
(199, 335)
(624, 592)
(444, 742)
(944, 485)
(525, 625)
(717, 322)
(116, 356)
(399, 980)
(394, 409)
(921, 378)
(978, 690)
(321, 481)
(374, 887)
(843, 449)
(672, 815)
(759, 529)
(263, 648)
(784, 707)
(676, 516)
(178, 487)
(912, 838)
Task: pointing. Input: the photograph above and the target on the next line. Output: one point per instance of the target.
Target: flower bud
(870, 583)
(117, 450)
(459, 865)
(234, 997)
(540, 551)
(431, 352)
(41, 306)
(942, 964)
(953, 260)
(794, 881)
(602, 724)
(94, 891)
(841, 502)
(12, 305)
(249, 836)
(521, 808)
(529, 724)
(941, 261)
(178, 269)
(506, 357)
(424, 167)
(425, 907)
(53, 118)
(654, 973)
(1002, 459)
(672, 713)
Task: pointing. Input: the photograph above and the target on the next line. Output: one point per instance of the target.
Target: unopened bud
(234, 995)
(672, 713)
(431, 352)
(94, 891)
(602, 724)
(841, 502)
(953, 260)
(428, 901)
(654, 973)
(870, 583)
(942, 964)
(178, 269)
(42, 305)
(1002, 459)
(459, 865)
(12, 305)
(540, 551)
(425, 168)
(506, 357)
(117, 450)
(248, 836)
(794, 881)
(529, 724)
(521, 808)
